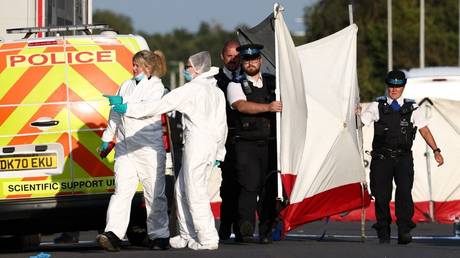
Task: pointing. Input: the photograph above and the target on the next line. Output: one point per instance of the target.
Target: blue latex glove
(217, 163)
(120, 108)
(103, 147)
(41, 255)
(114, 100)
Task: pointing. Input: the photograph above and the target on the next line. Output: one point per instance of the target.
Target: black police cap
(249, 51)
(396, 78)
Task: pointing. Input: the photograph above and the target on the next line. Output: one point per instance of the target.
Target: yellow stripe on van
(47, 85)
(114, 70)
(83, 87)
(11, 125)
(39, 94)
(11, 75)
(130, 43)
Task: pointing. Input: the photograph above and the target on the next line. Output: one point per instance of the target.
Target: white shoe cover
(178, 242)
(192, 244)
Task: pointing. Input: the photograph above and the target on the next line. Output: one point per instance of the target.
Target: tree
(179, 44)
(121, 23)
(441, 26)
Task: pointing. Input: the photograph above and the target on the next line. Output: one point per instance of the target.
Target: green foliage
(441, 35)
(121, 23)
(180, 44)
(327, 17)
(177, 45)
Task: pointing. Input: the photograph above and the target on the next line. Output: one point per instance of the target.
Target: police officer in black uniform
(229, 188)
(254, 100)
(395, 124)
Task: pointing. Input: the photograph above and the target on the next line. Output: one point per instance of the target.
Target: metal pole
(390, 34)
(422, 33)
(173, 81)
(89, 11)
(181, 69)
(74, 15)
(276, 9)
(84, 12)
(363, 209)
(428, 168)
(350, 13)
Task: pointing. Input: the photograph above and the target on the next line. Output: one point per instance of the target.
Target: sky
(162, 16)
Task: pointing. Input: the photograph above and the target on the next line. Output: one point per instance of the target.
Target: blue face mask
(187, 76)
(139, 77)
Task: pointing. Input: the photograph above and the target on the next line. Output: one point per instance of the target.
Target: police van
(52, 115)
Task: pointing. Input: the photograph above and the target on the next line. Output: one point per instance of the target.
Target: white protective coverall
(202, 104)
(139, 156)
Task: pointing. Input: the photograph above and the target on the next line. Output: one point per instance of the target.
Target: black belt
(243, 139)
(383, 153)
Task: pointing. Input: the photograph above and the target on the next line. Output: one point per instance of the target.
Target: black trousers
(229, 190)
(256, 178)
(383, 170)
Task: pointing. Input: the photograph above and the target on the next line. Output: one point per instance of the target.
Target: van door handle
(44, 122)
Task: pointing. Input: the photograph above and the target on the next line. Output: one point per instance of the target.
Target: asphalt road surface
(317, 239)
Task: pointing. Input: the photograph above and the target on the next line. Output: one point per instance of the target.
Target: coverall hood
(201, 61)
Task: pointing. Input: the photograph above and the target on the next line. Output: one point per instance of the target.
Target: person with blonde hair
(139, 156)
(202, 104)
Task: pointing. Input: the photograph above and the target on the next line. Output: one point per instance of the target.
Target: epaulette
(238, 78)
(381, 98)
(268, 75)
(409, 101)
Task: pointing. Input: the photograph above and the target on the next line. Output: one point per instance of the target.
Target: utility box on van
(52, 115)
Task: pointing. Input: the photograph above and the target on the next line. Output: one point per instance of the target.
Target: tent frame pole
(363, 209)
(428, 170)
(276, 9)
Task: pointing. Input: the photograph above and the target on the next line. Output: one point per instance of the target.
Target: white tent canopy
(321, 161)
(436, 190)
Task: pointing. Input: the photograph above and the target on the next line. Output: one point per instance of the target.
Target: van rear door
(98, 65)
(34, 119)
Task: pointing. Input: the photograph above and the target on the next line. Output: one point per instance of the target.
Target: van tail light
(165, 126)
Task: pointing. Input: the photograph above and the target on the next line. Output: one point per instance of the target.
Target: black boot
(265, 233)
(225, 230)
(109, 241)
(160, 244)
(383, 233)
(404, 237)
(245, 233)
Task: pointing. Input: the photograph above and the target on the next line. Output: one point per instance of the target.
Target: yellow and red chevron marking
(13, 45)
(43, 111)
(89, 116)
(91, 119)
(94, 77)
(13, 49)
(47, 84)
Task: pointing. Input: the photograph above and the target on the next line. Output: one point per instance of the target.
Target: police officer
(229, 188)
(253, 99)
(395, 124)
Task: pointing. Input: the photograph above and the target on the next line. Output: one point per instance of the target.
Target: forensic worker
(229, 188)
(202, 105)
(395, 124)
(139, 156)
(254, 100)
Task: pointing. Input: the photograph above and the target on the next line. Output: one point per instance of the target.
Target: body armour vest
(257, 126)
(394, 130)
(222, 83)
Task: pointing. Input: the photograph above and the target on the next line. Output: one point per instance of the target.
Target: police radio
(246, 86)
